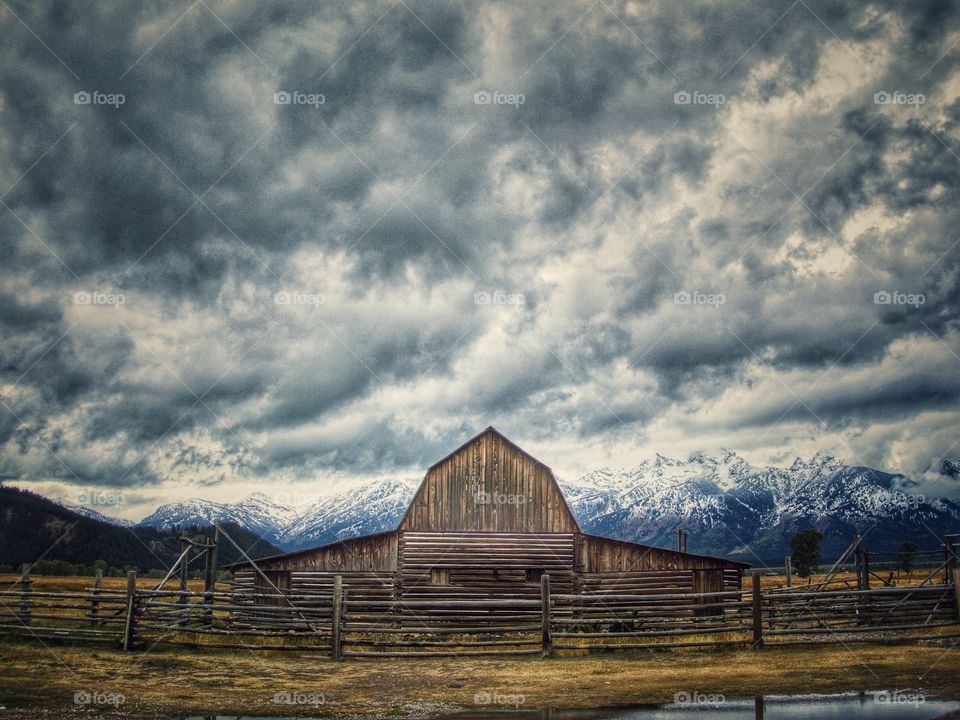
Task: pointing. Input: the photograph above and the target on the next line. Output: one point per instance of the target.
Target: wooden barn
(488, 521)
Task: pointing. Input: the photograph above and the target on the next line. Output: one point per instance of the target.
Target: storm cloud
(255, 244)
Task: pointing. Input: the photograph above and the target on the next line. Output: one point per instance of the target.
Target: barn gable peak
(489, 484)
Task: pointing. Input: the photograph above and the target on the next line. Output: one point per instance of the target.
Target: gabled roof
(489, 430)
(492, 431)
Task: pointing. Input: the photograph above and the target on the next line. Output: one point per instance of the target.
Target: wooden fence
(333, 623)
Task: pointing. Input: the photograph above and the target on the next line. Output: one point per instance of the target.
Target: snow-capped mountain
(257, 513)
(93, 514)
(727, 506)
(731, 508)
(368, 509)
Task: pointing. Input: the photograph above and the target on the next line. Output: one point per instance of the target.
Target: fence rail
(331, 621)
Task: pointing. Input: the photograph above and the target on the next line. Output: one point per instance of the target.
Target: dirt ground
(45, 682)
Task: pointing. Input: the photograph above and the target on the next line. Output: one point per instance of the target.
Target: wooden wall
(367, 553)
(484, 564)
(489, 485)
(367, 564)
(494, 565)
(359, 585)
(603, 555)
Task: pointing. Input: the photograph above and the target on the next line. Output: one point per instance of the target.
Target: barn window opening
(271, 587)
(534, 575)
(439, 576)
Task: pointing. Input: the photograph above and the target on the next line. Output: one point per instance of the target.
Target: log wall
(484, 564)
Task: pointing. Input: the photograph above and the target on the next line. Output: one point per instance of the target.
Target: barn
(488, 521)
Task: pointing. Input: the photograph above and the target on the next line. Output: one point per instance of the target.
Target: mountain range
(727, 506)
(52, 537)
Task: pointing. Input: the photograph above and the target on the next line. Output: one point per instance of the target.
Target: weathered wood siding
(603, 555)
(367, 553)
(485, 564)
(359, 585)
(489, 485)
(367, 564)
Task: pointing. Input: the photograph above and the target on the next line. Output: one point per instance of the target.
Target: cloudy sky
(295, 246)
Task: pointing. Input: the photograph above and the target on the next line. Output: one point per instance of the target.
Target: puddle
(879, 705)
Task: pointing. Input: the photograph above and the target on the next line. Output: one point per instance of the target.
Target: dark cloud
(454, 264)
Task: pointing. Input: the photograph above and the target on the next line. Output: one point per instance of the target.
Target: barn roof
(546, 509)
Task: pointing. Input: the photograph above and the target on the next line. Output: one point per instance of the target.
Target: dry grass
(59, 583)
(772, 581)
(40, 682)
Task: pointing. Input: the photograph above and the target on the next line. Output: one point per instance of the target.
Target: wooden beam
(546, 638)
(25, 597)
(956, 589)
(128, 627)
(757, 613)
(337, 617)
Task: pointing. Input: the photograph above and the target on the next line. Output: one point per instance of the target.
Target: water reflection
(881, 705)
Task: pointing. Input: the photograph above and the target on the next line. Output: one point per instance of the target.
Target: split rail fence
(337, 625)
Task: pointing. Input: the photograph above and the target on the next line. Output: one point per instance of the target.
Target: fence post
(949, 548)
(95, 602)
(865, 598)
(858, 571)
(546, 636)
(787, 565)
(128, 628)
(336, 617)
(25, 581)
(184, 569)
(757, 613)
(956, 589)
(210, 576)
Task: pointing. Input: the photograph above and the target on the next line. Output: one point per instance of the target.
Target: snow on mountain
(93, 514)
(256, 512)
(368, 509)
(728, 507)
(732, 508)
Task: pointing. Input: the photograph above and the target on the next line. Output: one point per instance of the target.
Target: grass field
(38, 681)
(59, 583)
